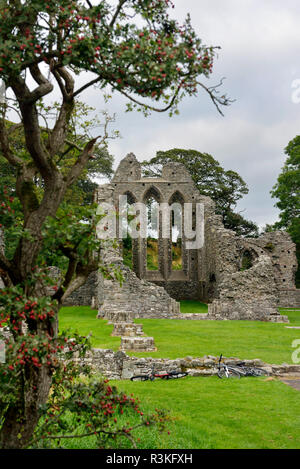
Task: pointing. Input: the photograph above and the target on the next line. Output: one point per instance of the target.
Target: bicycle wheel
(230, 373)
(243, 371)
(177, 374)
(139, 378)
(257, 372)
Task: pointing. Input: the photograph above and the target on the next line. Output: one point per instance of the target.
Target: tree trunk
(21, 418)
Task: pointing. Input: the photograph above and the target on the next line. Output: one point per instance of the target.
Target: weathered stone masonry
(118, 365)
(212, 274)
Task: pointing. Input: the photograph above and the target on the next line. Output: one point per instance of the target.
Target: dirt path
(293, 382)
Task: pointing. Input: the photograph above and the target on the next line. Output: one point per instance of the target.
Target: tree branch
(14, 127)
(212, 91)
(152, 108)
(60, 84)
(72, 145)
(81, 162)
(73, 260)
(119, 8)
(82, 273)
(44, 88)
(32, 132)
(6, 268)
(5, 147)
(59, 132)
(58, 135)
(60, 73)
(87, 85)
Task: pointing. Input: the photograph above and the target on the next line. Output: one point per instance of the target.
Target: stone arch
(152, 192)
(130, 197)
(177, 196)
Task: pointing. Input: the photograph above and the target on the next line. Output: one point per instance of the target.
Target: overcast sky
(260, 58)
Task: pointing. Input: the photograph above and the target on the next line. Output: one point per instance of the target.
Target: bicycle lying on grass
(152, 375)
(238, 370)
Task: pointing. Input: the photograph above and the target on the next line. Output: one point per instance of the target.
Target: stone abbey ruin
(215, 273)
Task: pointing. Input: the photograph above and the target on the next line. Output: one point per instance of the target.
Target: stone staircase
(132, 335)
(121, 313)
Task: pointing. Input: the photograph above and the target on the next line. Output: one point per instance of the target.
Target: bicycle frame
(239, 368)
(227, 368)
(152, 375)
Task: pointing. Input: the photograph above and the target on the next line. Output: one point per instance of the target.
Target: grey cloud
(260, 42)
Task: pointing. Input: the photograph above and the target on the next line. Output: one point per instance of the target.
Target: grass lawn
(270, 342)
(191, 306)
(213, 413)
(293, 314)
(208, 412)
(83, 320)
(177, 338)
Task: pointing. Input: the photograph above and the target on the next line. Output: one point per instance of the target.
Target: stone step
(138, 344)
(192, 316)
(125, 329)
(114, 317)
(280, 318)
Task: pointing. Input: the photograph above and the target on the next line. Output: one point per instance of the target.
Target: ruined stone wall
(251, 294)
(136, 296)
(279, 246)
(140, 297)
(289, 298)
(254, 293)
(86, 295)
(221, 255)
(213, 273)
(183, 290)
(118, 365)
(174, 185)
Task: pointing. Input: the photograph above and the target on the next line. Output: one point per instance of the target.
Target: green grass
(209, 412)
(270, 342)
(83, 319)
(213, 413)
(293, 314)
(192, 306)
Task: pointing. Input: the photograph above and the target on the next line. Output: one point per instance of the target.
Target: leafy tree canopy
(287, 191)
(80, 129)
(287, 188)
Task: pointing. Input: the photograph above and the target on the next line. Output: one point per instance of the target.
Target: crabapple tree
(132, 47)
